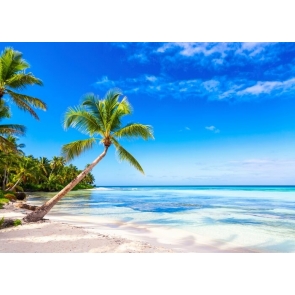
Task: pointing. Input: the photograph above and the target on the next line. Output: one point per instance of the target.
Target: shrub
(3, 201)
(10, 196)
(1, 221)
(17, 222)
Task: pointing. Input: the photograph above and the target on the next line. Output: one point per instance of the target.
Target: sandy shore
(66, 234)
(50, 236)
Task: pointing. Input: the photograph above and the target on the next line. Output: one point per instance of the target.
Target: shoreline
(60, 233)
(52, 236)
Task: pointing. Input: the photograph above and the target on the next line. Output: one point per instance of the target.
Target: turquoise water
(259, 218)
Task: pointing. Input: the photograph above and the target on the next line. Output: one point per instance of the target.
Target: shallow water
(260, 218)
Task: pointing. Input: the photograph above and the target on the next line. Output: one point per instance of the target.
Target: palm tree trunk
(46, 207)
(11, 189)
(4, 180)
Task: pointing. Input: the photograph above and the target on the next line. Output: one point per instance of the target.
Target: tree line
(19, 172)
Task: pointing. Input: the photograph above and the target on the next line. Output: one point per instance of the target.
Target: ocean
(249, 218)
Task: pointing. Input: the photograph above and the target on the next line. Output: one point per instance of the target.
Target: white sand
(66, 234)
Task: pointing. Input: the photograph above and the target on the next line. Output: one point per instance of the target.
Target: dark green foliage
(9, 222)
(17, 222)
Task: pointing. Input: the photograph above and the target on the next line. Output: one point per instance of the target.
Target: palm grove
(100, 119)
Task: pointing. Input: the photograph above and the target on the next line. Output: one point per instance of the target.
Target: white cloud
(267, 87)
(213, 89)
(151, 78)
(211, 85)
(104, 82)
(213, 129)
(223, 49)
(251, 48)
(191, 49)
(140, 57)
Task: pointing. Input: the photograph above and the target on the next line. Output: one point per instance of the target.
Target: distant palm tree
(13, 77)
(101, 118)
(56, 164)
(25, 170)
(10, 154)
(44, 165)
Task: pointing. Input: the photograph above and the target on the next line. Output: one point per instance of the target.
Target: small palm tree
(13, 77)
(100, 118)
(25, 170)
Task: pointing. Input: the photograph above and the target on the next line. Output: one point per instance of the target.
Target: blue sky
(222, 113)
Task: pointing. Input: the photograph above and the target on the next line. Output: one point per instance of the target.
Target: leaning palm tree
(100, 118)
(13, 77)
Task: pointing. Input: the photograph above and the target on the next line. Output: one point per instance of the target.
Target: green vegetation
(9, 222)
(17, 222)
(3, 201)
(26, 173)
(8, 129)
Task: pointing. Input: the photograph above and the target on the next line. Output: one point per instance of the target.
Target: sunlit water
(257, 218)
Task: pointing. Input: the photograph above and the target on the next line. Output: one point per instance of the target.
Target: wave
(100, 189)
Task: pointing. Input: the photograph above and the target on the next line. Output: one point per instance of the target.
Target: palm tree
(56, 164)
(10, 154)
(13, 77)
(44, 165)
(101, 118)
(26, 170)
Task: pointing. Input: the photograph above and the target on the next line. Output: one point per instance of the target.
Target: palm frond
(25, 102)
(34, 101)
(4, 110)
(4, 143)
(125, 106)
(12, 62)
(126, 156)
(95, 106)
(7, 129)
(22, 104)
(82, 120)
(75, 148)
(111, 101)
(122, 108)
(21, 80)
(135, 130)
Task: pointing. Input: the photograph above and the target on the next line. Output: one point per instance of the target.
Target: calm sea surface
(261, 218)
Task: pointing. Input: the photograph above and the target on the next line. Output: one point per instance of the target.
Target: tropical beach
(213, 212)
(212, 181)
